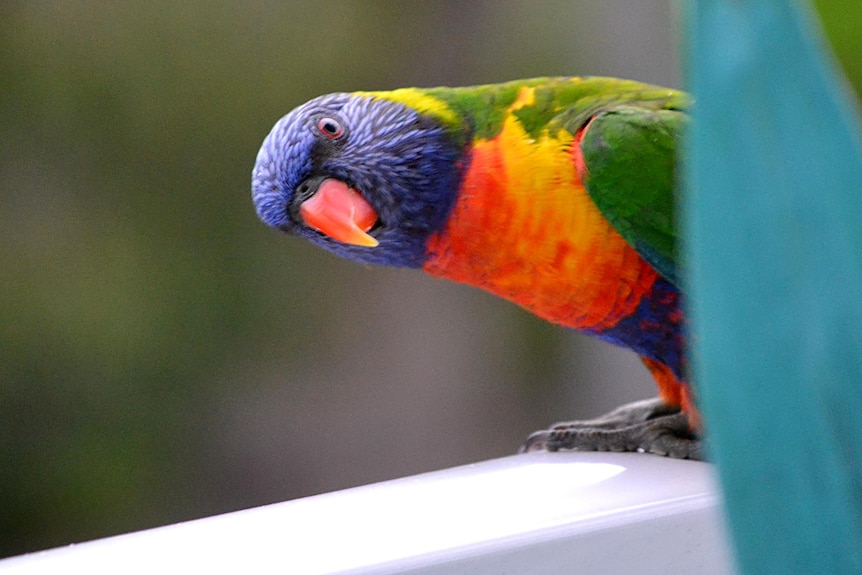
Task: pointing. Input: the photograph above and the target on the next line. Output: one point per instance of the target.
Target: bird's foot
(649, 426)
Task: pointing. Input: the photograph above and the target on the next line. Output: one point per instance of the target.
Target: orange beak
(339, 212)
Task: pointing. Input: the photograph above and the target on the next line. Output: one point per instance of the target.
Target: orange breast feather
(524, 228)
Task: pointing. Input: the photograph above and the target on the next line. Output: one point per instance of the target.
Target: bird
(558, 194)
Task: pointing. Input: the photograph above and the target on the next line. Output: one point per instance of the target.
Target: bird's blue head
(366, 178)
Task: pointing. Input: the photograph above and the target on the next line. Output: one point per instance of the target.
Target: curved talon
(537, 441)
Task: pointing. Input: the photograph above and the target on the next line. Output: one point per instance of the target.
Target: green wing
(630, 156)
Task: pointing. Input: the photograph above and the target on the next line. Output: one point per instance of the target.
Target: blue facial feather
(403, 163)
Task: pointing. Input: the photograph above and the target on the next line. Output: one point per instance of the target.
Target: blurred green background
(165, 356)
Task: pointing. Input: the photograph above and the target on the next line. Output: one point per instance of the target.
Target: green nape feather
(481, 110)
(631, 160)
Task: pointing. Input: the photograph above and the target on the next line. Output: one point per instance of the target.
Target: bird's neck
(524, 228)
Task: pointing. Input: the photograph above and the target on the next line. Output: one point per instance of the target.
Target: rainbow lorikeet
(554, 193)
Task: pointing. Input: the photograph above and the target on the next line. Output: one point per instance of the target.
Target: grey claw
(537, 441)
(644, 427)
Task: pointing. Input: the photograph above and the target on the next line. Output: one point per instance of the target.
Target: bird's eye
(330, 128)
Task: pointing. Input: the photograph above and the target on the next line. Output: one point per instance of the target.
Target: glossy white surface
(534, 513)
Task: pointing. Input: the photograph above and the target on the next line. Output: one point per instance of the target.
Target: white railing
(596, 513)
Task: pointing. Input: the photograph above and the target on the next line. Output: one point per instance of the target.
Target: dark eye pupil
(330, 128)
